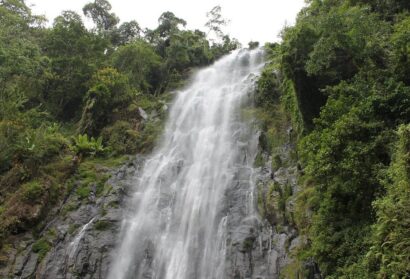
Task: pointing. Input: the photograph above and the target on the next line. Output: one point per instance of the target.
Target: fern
(88, 146)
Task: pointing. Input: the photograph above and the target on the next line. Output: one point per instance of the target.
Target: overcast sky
(258, 20)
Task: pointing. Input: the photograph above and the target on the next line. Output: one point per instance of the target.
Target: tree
(216, 22)
(74, 54)
(253, 44)
(188, 49)
(140, 63)
(109, 90)
(126, 33)
(21, 12)
(21, 61)
(387, 8)
(226, 46)
(168, 24)
(99, 12)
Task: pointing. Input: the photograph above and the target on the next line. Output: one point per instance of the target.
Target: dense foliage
(343, 71)
(68, 94)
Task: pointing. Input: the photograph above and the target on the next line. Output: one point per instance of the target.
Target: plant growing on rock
(85, 146)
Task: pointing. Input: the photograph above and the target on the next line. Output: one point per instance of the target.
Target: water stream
(198, 182)
(74, 244)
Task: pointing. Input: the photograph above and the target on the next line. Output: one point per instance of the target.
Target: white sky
(258, 20)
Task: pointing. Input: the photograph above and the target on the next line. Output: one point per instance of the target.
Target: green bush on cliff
(32, 191)
(83, 145)
(109, 91)
(41, 247)
(121, 137)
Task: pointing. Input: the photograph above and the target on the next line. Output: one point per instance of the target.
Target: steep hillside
(343, 76)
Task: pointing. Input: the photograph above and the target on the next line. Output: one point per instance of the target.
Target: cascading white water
(74, 244)
(176, 226)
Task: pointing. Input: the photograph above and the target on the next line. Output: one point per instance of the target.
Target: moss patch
(41, 247)
(83, 191)
(32, 191)
(102, 225)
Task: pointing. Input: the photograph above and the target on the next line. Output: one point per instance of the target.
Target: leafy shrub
(92, 173)
(148, 136)
(267, 88)
(121, 138)
(109, 91)
(10, 133)
(83, 191)
(247, 244)
(253, 44)
(41, 247)
(29, 146)
(102, 225)
(276, 162)
(148, 102)
(41, 146)
(83, 145)
(259, 160)
(32, 191)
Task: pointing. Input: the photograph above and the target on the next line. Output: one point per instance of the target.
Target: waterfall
(74, 244)
(177, 223)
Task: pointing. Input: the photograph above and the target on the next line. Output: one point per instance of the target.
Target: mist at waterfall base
(178, 223)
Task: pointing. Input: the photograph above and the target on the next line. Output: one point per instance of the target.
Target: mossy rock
(83, 191)
(259, 160)
(102, 225)
(247, 244)
(41, 247)
(276, 162)
(72, 228)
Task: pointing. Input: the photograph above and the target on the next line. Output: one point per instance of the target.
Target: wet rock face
(83, 235)
(257, 250)
(262, 245)
(280, 236)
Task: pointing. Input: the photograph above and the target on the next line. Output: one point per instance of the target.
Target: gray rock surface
(83, 239)
(258, 248)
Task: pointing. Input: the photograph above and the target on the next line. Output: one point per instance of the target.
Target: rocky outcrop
(256, 248)
(263, 245)
(79, 240)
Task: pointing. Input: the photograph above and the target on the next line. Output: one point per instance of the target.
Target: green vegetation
(74, 101)
(342, 75)
(247, 244)
(389, 251)
(102, 225)
(88, 146)
(32, 190)
(92, 176)
(41, 247)
(272, 205)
